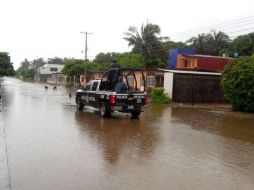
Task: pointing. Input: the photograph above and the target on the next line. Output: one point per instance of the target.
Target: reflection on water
(238, 126)
(117, 134)
(51, 146)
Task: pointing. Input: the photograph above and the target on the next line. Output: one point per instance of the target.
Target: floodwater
(51, 146)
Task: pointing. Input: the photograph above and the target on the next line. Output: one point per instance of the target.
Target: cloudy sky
(49, 28)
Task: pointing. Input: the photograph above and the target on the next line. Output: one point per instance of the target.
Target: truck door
(92, 96)
(85, 96)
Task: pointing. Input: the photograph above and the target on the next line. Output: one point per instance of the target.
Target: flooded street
(51, 146)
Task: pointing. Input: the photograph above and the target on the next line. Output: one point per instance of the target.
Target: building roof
(207, 56)
(190, 72)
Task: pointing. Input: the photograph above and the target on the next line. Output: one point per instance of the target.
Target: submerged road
(45, 144)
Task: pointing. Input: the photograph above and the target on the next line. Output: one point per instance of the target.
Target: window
(94, 87)
(141, 81)
(130, 80)
(186, 63)
(88, 86)
(150, 81)
(82, 79)
(53, 69)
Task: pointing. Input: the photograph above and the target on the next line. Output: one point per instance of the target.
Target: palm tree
(211, 43)
(219, 41)
(199, 43)
(147, 41)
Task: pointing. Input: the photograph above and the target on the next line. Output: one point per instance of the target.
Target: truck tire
(104, 111)
(79, 104)
(135, 114)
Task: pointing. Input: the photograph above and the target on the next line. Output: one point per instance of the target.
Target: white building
(50, 73)
(193, 86)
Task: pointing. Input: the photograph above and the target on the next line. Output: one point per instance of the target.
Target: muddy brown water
(51, 146)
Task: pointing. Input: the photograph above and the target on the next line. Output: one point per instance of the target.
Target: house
(186, 59)
(50, 73)
(173, 53)
(193, 86)
(202, 62)
(91, 75)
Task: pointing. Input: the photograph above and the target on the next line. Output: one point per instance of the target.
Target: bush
(159, 96)
(238, 83)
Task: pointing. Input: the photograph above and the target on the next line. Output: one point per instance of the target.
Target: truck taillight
(145, 99)
(112, 99)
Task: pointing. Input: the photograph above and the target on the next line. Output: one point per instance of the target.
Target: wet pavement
(51, 146)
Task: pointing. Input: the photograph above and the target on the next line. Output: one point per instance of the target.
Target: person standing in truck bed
(113, 74)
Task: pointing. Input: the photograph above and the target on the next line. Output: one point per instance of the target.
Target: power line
(161, 49)
(213, 26)
(225, 30)
(180, 38)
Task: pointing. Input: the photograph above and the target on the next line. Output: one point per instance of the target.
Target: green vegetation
(159, 96)
(58, 61)
(126, 60)
(74, 67)
(28, 68)
(217, 43)
(238, 83)
(6, 67)
(211, 43)
(243, 45)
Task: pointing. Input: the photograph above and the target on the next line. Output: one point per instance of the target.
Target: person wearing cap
(114, 64)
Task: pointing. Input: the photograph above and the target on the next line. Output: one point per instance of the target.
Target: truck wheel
(79, 104)
(105, 112)
(135, 114)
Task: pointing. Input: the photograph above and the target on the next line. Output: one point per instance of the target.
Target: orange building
(201, 62)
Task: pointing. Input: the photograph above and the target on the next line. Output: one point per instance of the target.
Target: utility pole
(86, 33)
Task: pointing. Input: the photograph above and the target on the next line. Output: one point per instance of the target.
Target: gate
(193, 88)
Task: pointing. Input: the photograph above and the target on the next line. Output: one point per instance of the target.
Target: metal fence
(193, 88)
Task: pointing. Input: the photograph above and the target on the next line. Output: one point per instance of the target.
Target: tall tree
(74, 67)
(147, 42)
(199, 43)
(57, 60)
(39, 62)
(217, 42)
(105, 57)
(26, 70)
(210, 43)
(171, 44)
(244, 45)
(6, 67)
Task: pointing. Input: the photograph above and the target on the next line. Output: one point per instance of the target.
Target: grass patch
(159, 96)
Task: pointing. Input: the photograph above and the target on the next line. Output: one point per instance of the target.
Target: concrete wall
(46, 69)
(168, 83)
